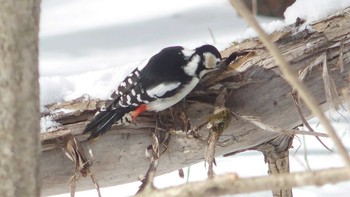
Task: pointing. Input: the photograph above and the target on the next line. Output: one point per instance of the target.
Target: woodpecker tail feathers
(104, 120)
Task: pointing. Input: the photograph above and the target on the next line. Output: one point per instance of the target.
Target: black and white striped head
(210, 57)
(203, 60)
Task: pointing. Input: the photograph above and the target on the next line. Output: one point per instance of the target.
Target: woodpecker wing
(164, 75)
(161, 77)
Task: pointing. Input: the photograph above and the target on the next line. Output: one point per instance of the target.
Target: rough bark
(257, 89)
(19, 100)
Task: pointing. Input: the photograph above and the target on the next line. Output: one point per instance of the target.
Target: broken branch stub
(217, 123)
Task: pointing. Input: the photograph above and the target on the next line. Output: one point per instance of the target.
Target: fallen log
(256, 89)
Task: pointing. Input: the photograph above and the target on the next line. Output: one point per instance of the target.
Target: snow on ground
(312, 11)
(87, 47)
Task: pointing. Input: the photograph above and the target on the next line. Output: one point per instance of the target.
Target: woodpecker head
(210, 59)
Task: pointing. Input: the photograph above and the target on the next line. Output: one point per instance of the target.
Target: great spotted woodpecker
(165, 79)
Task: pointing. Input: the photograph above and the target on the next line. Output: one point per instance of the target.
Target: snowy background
(88, 47)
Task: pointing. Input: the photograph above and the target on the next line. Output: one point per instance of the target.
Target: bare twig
(302, 76)
(306, 155)
(212, 35)
(292, 78)
(329, 87)
(74, 151)
(302, 118)
(255, 7)
(152, 153)
(340, 63)
(345, 93)
(310, 67)
(231, 184)
(271, 128)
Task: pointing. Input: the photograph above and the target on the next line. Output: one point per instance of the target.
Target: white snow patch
(54, 89)
(47, 124)
(312, 10)
(268, 28)
(309, 10)
(96, 84)
(63, 111)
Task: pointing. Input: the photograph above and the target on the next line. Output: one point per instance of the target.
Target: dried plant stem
(292, 78)
(307, 125)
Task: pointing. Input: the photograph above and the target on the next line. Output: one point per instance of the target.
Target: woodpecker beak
(227, 61)
(222, 64)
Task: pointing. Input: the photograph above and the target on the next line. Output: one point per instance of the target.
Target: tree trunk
(257, 89)
(19, 100)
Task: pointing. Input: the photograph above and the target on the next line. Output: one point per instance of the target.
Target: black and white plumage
(164, 80)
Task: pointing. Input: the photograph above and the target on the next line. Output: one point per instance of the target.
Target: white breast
(161, 104)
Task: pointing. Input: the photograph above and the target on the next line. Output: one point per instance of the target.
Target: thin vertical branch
(254, 7)
(291, 77)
